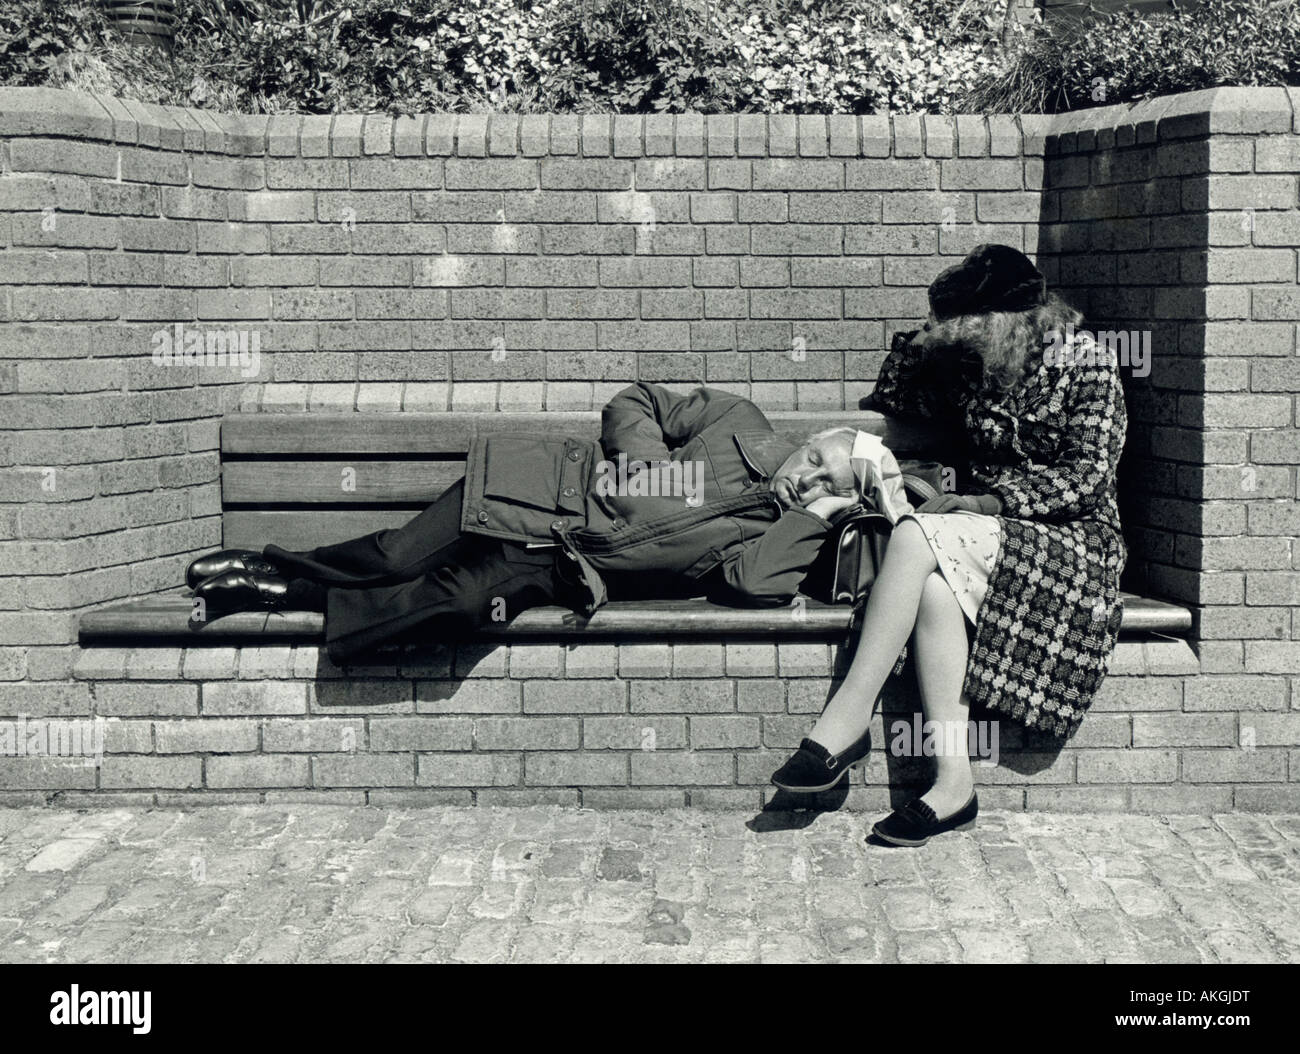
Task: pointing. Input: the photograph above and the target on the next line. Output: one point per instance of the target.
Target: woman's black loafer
(244, 591)
(213, 564)
(915, 823)
(813, 768)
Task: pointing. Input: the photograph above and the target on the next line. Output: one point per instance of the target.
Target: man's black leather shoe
(206, 567)
(916, 823)
(244, 591)
(813, 768)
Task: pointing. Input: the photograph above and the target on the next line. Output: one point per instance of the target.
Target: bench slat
(300, 529)
(166, 618)
(419, 434)
(1147, 615)
(432, 434)
(321, 482)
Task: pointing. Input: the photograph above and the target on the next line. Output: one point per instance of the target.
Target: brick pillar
(1178, 218)
(1243, 471)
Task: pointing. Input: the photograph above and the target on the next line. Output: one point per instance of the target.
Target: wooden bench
(305, 480)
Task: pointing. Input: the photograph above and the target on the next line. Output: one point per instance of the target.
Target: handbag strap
(922, 479)
(921, 488)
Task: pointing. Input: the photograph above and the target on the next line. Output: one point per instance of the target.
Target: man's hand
(828, 506)
(982, 503)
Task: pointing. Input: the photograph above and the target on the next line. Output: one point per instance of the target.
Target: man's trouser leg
(398, 554)
(425, 576)
(479, 580)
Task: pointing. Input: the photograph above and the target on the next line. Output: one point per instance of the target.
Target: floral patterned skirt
(965, 544)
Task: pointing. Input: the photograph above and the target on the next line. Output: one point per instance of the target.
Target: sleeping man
(681, 495)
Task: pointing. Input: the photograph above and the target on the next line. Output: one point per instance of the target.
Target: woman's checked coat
(1047, 450)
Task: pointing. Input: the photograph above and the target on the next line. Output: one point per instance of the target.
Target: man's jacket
(676, 484)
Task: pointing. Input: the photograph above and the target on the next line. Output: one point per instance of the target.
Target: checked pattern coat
(1047, 448)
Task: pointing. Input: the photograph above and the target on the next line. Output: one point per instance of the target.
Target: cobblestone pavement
(307, 883)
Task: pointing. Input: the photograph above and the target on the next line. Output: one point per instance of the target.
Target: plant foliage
(647, 56)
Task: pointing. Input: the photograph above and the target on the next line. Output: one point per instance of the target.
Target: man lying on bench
(682, 495)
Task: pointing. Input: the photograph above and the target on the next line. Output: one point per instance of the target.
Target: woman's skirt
(965, 545)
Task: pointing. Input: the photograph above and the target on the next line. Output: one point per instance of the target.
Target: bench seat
(282, 481)
(165, 619)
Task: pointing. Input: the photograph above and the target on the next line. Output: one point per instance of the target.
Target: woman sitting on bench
(1009, 587)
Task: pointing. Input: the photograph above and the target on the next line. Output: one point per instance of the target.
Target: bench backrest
(305, 480)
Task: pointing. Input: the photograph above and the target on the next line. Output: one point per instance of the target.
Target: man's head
(818, 469)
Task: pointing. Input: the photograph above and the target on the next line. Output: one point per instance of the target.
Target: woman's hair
(1004, 340)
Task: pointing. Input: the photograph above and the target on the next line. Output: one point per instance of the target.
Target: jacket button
(482, 516)
(557, 525)
(574, 455)
(569, 492)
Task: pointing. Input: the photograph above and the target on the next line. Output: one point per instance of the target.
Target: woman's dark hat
(991, 278)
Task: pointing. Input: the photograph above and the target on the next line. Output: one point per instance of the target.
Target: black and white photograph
(650, 482)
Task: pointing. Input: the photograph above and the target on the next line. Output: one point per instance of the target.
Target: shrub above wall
(647, 56)
(1122, 54)
(852, 56)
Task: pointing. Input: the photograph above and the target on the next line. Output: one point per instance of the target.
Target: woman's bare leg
(941, 651)
(887, 622)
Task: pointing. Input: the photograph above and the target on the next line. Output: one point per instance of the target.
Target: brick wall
(602, 725)
(503, 263)
(431, 263)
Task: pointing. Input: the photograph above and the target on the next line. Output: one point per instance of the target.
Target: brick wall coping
(59, 113)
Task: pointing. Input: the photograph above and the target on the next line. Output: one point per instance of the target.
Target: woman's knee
(937, 599)
(908, 543)
(906, 533)
(934, 590)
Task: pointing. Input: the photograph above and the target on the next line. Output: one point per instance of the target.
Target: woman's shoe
(244, 591)
(915, 823)
(813, 768)
(206, 567)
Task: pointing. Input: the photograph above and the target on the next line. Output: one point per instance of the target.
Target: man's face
(817, 469)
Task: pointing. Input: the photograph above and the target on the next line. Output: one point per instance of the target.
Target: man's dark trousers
(392, 581)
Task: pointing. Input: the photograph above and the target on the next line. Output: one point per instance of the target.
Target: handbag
(849, 560)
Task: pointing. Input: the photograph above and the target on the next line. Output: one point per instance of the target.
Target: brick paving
(335, 883)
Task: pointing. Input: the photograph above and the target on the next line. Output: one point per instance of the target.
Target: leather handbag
(847, 565)
(858, 543)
